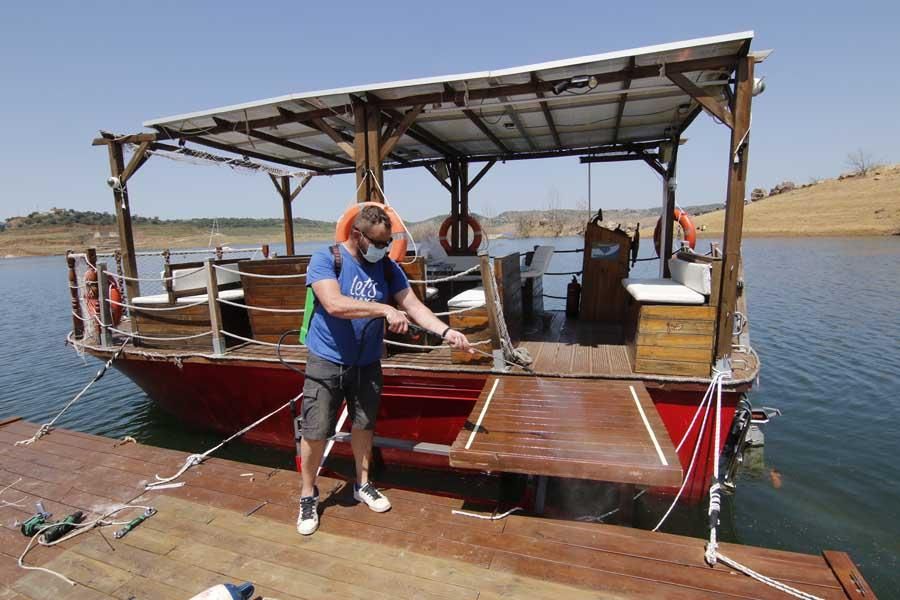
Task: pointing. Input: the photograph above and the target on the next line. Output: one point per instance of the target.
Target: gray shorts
(326, 387)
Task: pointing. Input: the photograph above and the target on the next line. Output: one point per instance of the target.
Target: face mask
(373, 254)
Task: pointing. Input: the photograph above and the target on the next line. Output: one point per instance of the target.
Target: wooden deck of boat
(587, 429)
(203, 535)
(566, 347)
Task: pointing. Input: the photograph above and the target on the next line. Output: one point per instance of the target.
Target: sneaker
(372, 497)
(308, 518)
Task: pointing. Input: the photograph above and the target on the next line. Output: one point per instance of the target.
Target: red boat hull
(427, 406)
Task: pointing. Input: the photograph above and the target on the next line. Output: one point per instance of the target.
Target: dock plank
(529, 425)
(419, 549)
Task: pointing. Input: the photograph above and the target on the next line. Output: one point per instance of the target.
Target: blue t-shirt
(338, 340)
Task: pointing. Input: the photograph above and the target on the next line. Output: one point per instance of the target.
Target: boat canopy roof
(604, 103)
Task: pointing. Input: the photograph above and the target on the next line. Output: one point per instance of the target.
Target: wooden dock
(226, 525)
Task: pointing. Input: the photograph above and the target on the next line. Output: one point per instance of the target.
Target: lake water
(823, 315)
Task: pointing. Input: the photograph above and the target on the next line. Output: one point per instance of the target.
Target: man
(345, 350)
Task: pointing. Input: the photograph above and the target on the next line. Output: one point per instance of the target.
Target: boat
(613, 391)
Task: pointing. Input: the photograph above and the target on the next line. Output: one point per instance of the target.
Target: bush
(860, 163)
(784, 186)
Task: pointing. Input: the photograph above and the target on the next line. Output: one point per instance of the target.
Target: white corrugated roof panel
(505, 102)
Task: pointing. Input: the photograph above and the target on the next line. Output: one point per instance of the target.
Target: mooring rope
(259, 275)
(712, 554)
(259, 342)
(47, 427)
(160, 339)
(519, 356)
(494, 517)
(78, 529)
(195, 459)
(150, 279)
(260, 308)
(156, 308)
(459, 310)
(448, 277)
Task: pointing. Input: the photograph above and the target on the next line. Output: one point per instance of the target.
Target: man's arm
(423, 317)
(328, 292)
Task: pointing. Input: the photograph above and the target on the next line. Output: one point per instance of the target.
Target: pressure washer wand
(134, 523)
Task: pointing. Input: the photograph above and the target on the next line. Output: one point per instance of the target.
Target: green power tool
(50, 531)
(61, 528)
(37, 522)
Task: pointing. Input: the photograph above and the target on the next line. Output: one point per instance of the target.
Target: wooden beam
(520, 89)
(272, 139)
(252, 153)
(430, 168)
(545, 108)
(166, 133)
(667, 237)
(618, 158)
(421, 135)
(626, 83)
(288, 214)
(342, 141)
(277, 183)
(123, 221)
(481, 173)
(373, 149)
(387, 146)
(738, 157)
(486, 131)
(654, 164)
(137, 161)
(359, 150)
(300, 186)
(704, 96)
(134, 138)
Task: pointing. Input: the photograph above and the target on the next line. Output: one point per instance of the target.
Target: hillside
(862, 205)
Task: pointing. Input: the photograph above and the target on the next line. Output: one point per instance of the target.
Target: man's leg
(361, 441)
(311, 452)
(363, 399)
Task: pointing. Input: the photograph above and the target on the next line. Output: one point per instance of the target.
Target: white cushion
(191, 279)
(467, 299)
(539, 262)
(697, 276)
(661, 291)
(231, 295)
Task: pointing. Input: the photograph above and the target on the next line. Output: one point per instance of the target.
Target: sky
(70, 69)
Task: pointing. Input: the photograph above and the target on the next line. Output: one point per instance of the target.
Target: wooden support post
(265, 250)
(493, 316)
(215, 311)
(123, 219)
(102, 298)
(463, 205)
(359, 151)
(77, 323)
(738, 156)
(667, 233)
(288, 215)
(373, 153)
(453, 169)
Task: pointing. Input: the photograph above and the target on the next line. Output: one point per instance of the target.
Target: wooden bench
(185, 285)
(281, 293)
(670, 323)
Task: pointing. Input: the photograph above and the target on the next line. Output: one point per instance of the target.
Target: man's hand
(458, 341)
(397, 321)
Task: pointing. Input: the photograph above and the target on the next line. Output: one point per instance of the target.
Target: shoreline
(646, 236)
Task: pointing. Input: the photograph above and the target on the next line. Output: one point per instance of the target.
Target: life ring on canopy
(687, 226)
(113, 294)
(477, 234)
(398, 228)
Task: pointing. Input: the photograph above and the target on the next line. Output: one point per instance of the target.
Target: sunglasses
(378, 244)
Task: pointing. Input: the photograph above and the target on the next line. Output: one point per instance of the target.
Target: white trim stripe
(640, 408)
(483, 412)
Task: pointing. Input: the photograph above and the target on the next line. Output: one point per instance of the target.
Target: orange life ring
(687, 226)
(477, 234)
(398, 228)
(114, 294)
